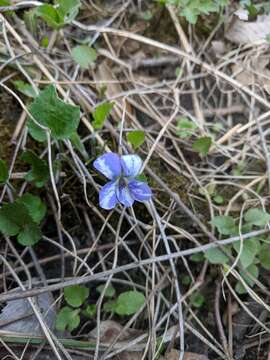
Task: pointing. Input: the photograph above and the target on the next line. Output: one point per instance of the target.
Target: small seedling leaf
(101, 113)
(25, 88)
(216, 256)
(76, 295)
(129, 302)
(136, 138)
(224, 224)
(84, 55)
(67, 318)
(109, 292)
(53, 113)
(185, 127)
(257, 217)
(202, 145)
(39, 173)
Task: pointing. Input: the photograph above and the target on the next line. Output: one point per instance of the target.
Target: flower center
(122, 182)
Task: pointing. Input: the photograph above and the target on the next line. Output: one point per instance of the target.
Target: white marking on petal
(108, 165)
(131, 165)
(107, 196)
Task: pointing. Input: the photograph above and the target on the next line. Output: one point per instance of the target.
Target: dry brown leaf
(109, 330)
(218, 48)
(254, 72)
(243, 32)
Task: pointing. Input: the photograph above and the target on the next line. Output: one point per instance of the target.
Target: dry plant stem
(219, 321)
(188, 49)
(114, 266)
(175, 280)
(212, 70)
(134, 265)
(36, 311)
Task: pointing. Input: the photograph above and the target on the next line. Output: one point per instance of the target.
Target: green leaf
(257, 217)
(69, 9)
(264, 256)
(84, 55)
(224, 224)
(21, 218)
(101, 113)
(254, 271)
(109, 306)
(5, 3)
(50, 15)
(3, 171)
(50, 111)
(250, 249)
(129, 302)
(68, 319)
(136, 138)
(202, 145)
(56, 17)
(216, 256)
(13, 217)
(142, 178)
(218, 199)
(198, 257)
(197, 300)
(30, 235)
(109, 292)
(77, 143)
(185, 127)
(25, 88)
(44, 42)
(191, 9)
(90, 310)
(76, 295)
(39, 173)
(186, 280)
(35, 207)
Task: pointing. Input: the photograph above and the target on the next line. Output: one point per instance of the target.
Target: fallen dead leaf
(244, 32)
(218, 48)
(17, 316)
(255, 71)
(109, 330)
(242, 14)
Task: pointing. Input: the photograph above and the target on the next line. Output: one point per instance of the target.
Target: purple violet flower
(123, 187)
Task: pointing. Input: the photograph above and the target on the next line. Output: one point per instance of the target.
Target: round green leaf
(110, 290)
(136, 138)
(68, 319)
(30, 235)
(264, 256)
(129, 302)
(84, 55)
(216, 256)
(76, 295)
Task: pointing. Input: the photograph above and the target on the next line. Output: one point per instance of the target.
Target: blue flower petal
(140, 190)
(107, 196)
(109, 165)
(124, 196)
(131, 165)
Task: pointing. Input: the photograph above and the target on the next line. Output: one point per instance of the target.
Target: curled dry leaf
(243, 32)
(109, 330)
(255, 71)
(242, 14)
(218, 48)
(17, 316)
